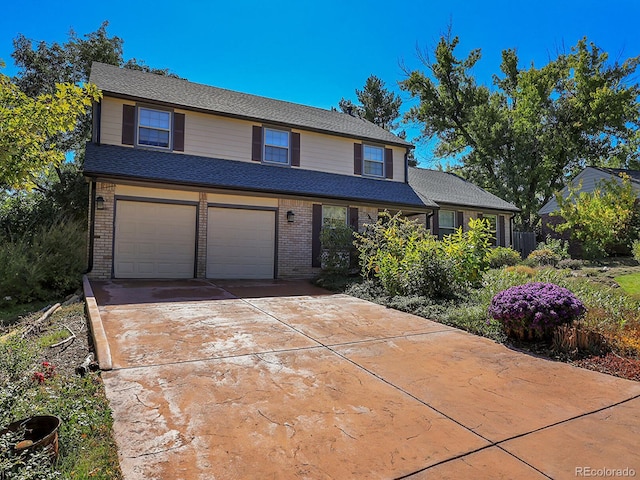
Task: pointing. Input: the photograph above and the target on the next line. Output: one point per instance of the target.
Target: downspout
(513, 215)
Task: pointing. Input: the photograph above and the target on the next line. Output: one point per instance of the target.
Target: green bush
(543, 257)
(556, 245)
(635, 250)
(469, 251)
(48, 264)
(405, 258)
(503, 257)
(337, 247)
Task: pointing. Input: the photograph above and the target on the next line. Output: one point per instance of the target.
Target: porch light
(290, 216)
(99, 203)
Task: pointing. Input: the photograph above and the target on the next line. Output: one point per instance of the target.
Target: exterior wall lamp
(99, 203)
(290, 216)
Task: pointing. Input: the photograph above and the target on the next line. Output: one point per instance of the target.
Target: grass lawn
(630, 284)
(37, 377)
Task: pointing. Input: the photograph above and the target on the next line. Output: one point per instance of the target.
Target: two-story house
(189, 180)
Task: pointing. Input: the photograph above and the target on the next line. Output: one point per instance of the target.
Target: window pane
(446, 219)
(276, 154)
(374, 154)
(276, 138)
(156, 138)
(334, 215)
(154, 118)
(372, 168)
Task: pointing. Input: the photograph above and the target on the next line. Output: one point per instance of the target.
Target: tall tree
(535, 127)
(377, 104)
(28, 125)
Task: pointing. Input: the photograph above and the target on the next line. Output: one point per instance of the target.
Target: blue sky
(317, 52)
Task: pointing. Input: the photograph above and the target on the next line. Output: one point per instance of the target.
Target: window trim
(265, 145)
(365, 160)
(138, 126)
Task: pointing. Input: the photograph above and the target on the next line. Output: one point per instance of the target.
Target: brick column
(103, 232)
(203, 213)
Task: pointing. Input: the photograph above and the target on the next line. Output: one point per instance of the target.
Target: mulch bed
(612, 364)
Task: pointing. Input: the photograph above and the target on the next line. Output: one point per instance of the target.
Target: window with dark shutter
(353, 218)
(178, 132)
(435, 225)
(128, 124)
(388, 163)
(357, 159)
(501, 231)
(461, 220)
(256, 145)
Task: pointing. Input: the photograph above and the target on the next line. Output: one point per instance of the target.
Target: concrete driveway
(279, 380)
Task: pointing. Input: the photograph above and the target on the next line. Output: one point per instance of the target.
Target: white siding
(160, 193)
(223, 199)
(218, 137)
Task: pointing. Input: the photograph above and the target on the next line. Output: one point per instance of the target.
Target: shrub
(469, 251)
(571, 264)
(521, 270)
(503, 256)
(337, 246)
(556, 245)
(405, 258)
(543, 257)
(635, 250)
(533, 310)
(46, 264)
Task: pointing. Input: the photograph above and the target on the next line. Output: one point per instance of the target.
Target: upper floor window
(373, 160)
(446, 222)
(276, 146)
(154, 127)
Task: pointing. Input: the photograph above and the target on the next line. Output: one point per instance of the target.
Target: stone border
(100, 343)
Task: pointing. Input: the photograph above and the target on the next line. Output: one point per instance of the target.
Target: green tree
(377, 104)
(535, 127)
(28, 125)
(604, 220)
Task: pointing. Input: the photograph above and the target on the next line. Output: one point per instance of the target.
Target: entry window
(154, 127)
(446, 222)
(373, 160)
(276, 146)
(333, 215)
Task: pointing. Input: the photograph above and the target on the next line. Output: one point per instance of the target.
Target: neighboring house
(191, 181)
(588, 179)
(459, 201)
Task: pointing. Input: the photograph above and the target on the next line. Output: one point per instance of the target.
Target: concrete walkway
(281, 380)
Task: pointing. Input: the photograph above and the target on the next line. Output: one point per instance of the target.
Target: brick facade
(294, 239)
(103, 233)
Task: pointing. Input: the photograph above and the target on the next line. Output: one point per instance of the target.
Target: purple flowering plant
(533, 310)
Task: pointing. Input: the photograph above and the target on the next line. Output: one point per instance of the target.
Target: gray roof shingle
(447, 188)
(156, 166)
(134, 84)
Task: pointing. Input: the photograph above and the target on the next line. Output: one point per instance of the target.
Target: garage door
(240, 243)
(154, 240)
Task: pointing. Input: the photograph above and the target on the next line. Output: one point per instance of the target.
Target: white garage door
(154, 240)
(240, 243)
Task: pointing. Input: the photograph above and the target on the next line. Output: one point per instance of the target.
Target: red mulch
(613, 365)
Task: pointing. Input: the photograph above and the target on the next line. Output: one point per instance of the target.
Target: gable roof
(589, 178)
(137, 85)
(447, 188)
(116, 162)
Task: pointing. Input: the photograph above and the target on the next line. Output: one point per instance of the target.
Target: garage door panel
(240, 243)
(154, 240)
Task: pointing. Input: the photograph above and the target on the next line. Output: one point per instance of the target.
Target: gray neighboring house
(458, 201)
(588, 179)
